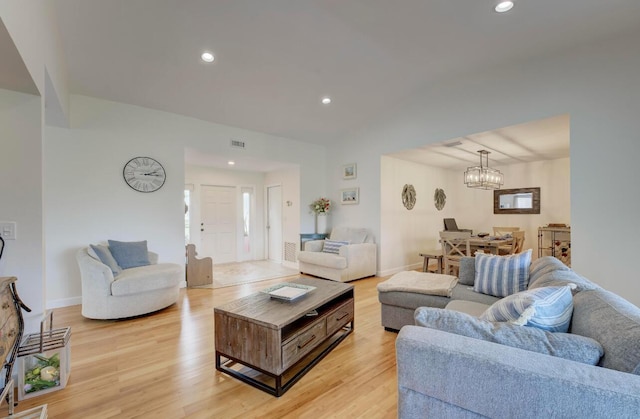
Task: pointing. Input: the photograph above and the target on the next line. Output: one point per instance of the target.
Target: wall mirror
(516, 201)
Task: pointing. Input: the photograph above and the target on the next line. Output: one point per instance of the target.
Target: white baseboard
(389, 272)
(63, 302)
(292, 265)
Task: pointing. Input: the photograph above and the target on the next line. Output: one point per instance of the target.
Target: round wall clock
(408, 196)
(439, 199)
(144, 174)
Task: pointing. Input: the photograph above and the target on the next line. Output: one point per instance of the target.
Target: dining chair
(455, 245)
(501, 231)
(451, 225)
(515, 247)
(518, 239)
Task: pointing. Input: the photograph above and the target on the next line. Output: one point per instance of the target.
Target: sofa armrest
(361, 259)
(96, 277)
(441, 373)
(153, 258)
(357, 251)
(313, 245)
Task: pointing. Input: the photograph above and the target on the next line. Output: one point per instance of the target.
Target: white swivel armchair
(354, 260)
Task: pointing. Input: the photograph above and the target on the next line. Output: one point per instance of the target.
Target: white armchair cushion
(146, 278)
(351, 235)
(328, 260)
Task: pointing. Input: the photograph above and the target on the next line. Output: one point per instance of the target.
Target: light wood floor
(162, 366)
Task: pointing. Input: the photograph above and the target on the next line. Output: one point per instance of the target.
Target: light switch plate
(8, 230)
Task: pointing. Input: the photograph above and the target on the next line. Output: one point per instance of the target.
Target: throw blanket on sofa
(420, 282)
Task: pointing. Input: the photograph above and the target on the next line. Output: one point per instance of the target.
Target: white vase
(321, 223)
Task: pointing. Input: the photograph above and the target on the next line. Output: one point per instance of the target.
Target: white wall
(406, 233)
(553, 179)
(597, 85)
(33, 29)
(21, 195)
(87, 200)
(289, 180)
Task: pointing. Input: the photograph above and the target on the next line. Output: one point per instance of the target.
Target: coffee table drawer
(340, 317)
(303, 343)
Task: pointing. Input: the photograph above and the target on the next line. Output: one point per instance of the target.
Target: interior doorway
(274, 223)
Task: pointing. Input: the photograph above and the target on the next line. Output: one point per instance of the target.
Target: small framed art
(349, 171)
(350, 196)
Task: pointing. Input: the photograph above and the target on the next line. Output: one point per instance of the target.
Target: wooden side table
(432, 254)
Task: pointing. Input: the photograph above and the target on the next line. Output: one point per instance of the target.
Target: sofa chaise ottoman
(397, 307)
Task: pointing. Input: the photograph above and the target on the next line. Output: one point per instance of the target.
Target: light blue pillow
(564, 345)
(105, 256)
(130, 254)
(547, 308)
(333, 246)
(501, 276)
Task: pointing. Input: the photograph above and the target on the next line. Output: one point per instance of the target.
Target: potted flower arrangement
(320, 208)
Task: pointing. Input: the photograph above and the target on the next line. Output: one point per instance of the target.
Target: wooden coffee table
(270, 344)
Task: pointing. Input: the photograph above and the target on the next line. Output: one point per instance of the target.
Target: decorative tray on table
(288, 291)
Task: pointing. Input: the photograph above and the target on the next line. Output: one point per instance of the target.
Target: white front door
(218, 223)
(274, 223)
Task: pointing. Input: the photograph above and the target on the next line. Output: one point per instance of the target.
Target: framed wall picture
(350, 196)
(349, 171)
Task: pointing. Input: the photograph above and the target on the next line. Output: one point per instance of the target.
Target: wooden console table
(11, 331)
(271, 344)
(305, 237)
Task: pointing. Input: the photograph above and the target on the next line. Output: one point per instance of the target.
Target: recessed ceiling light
(231, 162)
(207, 57)
(326, 100)
(504, 6)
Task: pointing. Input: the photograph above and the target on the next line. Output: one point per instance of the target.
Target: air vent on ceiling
(452, 144)
(237, 143)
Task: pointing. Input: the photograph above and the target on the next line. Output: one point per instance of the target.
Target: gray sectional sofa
(443, 374)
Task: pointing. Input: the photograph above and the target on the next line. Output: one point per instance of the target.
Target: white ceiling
(13, 73)
(275, 59)
(546, 139)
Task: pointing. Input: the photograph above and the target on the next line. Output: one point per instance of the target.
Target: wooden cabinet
(273, 337)
(11, 330)
(555, 241)
(305, 237)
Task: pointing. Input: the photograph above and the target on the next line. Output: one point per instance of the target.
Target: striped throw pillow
(333, 246)
(501, 276)
(547, 308)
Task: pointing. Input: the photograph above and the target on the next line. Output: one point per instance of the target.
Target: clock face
(144, 174)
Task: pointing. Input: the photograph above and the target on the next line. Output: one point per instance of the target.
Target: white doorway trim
(274, 223)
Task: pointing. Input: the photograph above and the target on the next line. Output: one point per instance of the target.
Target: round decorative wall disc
(439, 199)
(408, 196)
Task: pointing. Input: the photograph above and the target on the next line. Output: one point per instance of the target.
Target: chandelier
(483, 177)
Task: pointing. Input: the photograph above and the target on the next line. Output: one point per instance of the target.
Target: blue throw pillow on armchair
(130, 254)
(104, 254)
